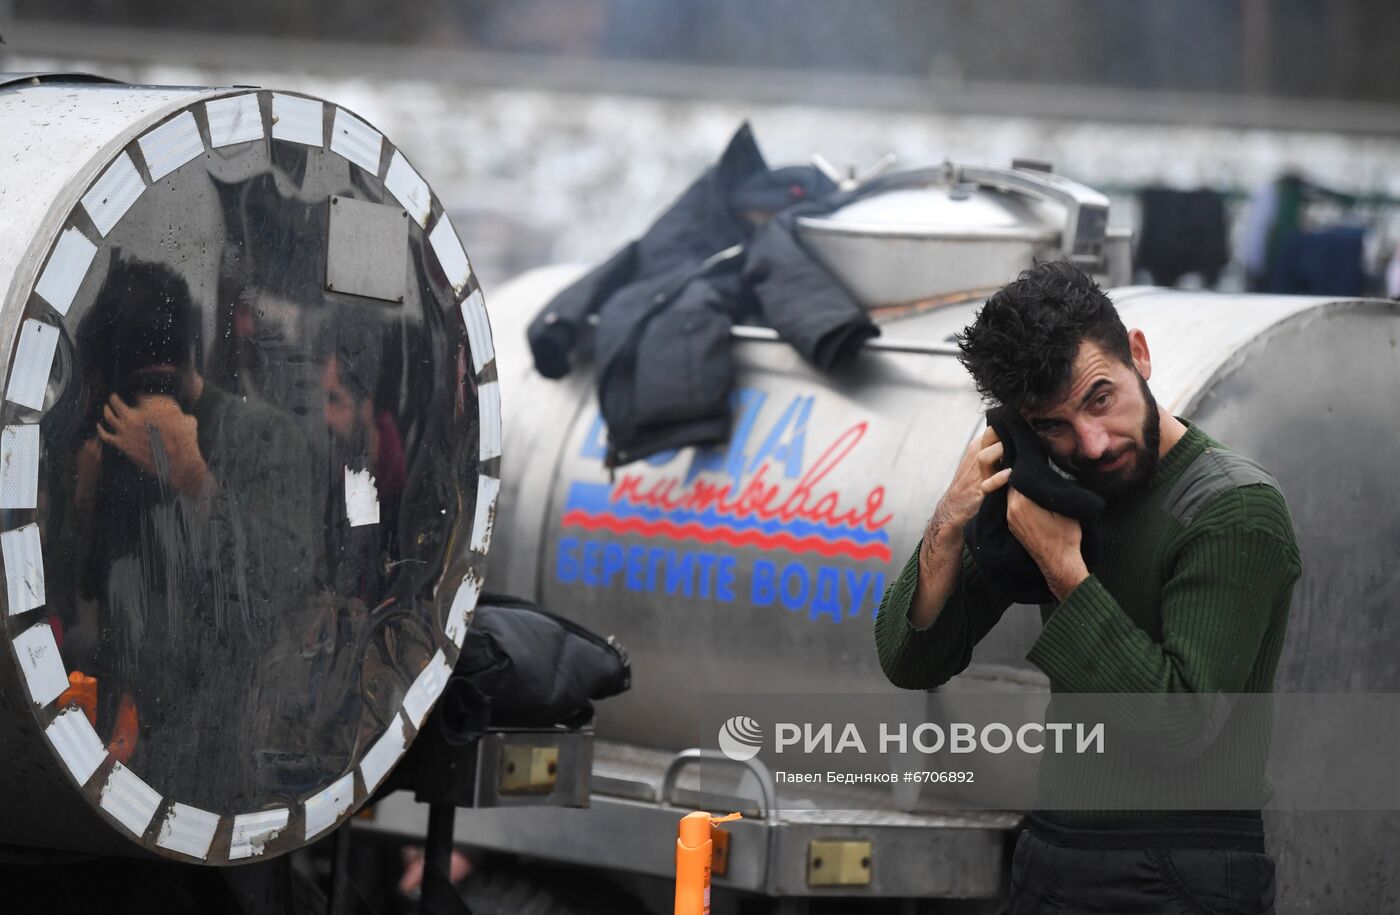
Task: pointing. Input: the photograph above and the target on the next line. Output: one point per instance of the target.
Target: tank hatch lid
(958, 201)
(936, 211)
(918, 238)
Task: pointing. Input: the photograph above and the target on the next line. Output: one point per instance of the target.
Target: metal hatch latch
(1086, 210)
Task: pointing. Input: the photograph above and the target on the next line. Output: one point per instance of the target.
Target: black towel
(1001, 558)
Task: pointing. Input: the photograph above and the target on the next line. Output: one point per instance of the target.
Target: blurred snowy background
(556, 129)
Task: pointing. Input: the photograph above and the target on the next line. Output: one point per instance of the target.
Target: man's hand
(130, 429)
(1051, 539)
(978, 474)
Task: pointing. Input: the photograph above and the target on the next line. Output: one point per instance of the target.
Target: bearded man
(1189, 599)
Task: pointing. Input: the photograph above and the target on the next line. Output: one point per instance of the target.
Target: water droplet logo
(741, 738)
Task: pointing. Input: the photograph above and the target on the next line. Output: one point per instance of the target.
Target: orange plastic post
(82, 692)
(694, 857)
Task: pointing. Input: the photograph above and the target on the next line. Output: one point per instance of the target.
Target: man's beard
(1117, 483)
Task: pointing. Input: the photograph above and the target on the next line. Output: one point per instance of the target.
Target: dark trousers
(1178, 865)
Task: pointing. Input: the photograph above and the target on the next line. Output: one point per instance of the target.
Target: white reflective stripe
(19, 466)
(29, 376)
(77, 743)
(113, 194)
(171, 145)
(409, 189)
(425, 690)
(488, 398)
(361, 498)
(298, 120)
(188, 830)
(486, 490)
(66, 269)
(24, 569)
(252, 831)
(129, 799)
(450, 254)
(233, 120)
(462, 603)
(356, 141)
(478, 330)
(325, 807)
(381, 757)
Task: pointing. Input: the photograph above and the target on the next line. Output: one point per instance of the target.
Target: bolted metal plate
(367, 252)
(838, 863)
(528, 769)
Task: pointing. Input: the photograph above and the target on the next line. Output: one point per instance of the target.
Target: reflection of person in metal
(158, 424)
(362, 436)
(352, 417)
(355, 606)
(195, 507)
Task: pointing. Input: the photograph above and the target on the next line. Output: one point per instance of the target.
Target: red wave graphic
(693, 531)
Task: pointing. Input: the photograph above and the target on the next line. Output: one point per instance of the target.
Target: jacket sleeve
(1229, 584)
(555, 330)
(804, 303)
(924, 658)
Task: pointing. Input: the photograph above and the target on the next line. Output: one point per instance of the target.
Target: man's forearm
(940, 560)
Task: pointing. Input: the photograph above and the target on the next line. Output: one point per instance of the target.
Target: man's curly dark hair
(1020, 349)
(143, 316)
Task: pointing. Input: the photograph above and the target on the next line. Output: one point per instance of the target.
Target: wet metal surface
(255, 492)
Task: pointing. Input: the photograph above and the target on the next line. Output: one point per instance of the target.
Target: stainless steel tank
(758, 566)
(248, 466)
(856, 462)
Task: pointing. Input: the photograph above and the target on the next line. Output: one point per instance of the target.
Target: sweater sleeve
(924, 658)
(1229, 579)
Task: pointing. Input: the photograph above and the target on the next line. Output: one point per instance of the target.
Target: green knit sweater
(1190, 596)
